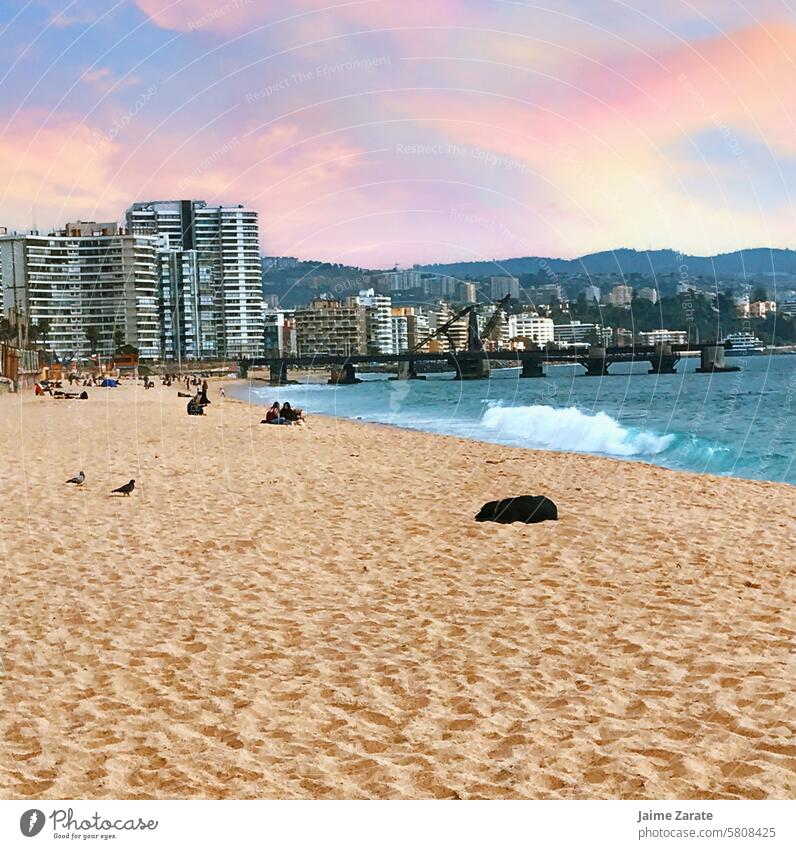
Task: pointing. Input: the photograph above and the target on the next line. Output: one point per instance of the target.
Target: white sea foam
(569, 429)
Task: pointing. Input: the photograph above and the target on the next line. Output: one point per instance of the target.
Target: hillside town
(182, 281)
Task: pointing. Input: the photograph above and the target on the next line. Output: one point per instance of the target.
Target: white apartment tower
(88, 279)
(226, 242)
(378, 321)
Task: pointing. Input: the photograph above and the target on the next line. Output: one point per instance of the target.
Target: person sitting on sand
(195, 407)
(273, 416)
(291, 415)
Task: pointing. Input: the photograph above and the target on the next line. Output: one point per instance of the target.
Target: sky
(383, 132)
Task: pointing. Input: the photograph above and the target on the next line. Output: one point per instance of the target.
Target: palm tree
(40, 330)
(93, 334)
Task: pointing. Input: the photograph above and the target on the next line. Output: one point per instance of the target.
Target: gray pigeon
(78, 479)
(126, 489)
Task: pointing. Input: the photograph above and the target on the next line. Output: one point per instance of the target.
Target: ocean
(741, 424)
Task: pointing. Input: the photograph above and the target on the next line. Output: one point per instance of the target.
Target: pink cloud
(52, 169)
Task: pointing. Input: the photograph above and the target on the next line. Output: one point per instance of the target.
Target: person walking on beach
(204, 400)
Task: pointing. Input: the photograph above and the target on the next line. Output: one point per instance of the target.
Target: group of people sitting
(53, 388)
(285, 415)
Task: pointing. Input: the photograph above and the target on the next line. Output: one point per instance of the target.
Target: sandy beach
(313, 613)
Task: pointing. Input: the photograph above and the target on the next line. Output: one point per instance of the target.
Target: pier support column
(663, 361)
(344, 375)
(712, 359)
(532, 368)
(596, 363)
(470, 368)
(243, 368)
(279, 374)
(408, 371)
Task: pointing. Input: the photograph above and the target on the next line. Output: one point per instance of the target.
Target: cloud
(103, 79)
(74, 14)
(586, 126)
(49, 169)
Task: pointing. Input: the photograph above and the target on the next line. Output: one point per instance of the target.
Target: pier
(476, 365)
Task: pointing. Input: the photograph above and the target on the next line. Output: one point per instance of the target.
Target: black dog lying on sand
(523, 508)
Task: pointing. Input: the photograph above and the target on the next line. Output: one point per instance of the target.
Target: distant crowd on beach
(196, 388)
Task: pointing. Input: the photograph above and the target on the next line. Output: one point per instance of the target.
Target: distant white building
(652, 337)
(647, 293)
(499, 287)
(467, 292)
(621, 295)
(378, 321)
(787, 306)
(548, 293)
(88, 281)
(399, 326)
(582, 333)
(530, 326)
(441, 286)
(592, 294)
(742, 305)
(397, 281)
(760, 309)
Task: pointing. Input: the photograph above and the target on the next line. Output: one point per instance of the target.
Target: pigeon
(78, 479)
(126, 489)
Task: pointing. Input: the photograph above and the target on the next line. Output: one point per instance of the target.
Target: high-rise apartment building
(467, 291)
(399, 327)
(329, 327)
(378, 321)
(226, 242)
(187, 306)
(411, 322)
(502, 286)
(90, 285)
(396, 281)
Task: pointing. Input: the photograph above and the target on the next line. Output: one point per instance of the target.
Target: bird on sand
(78, 479)
(126, 489)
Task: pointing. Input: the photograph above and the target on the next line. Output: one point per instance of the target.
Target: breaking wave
(569, 429)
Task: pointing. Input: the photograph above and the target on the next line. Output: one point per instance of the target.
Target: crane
(444, 328)
(475, 340)
(494, 320)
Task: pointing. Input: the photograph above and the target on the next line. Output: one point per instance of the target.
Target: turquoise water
(741, 424)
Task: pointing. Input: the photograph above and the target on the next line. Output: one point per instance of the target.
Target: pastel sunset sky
(379, 131)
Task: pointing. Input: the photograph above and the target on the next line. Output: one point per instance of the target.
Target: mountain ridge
(748, 262)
